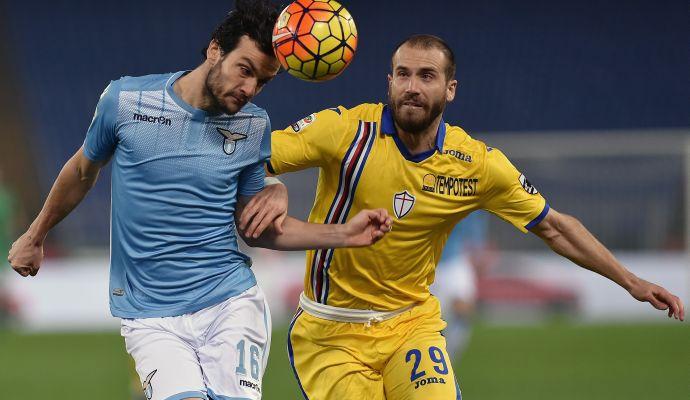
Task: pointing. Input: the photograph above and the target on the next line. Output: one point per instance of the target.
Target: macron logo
(147, 118)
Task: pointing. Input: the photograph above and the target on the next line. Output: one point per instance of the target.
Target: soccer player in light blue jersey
(188, 152)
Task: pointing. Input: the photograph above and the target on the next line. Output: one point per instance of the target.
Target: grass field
(558, 361)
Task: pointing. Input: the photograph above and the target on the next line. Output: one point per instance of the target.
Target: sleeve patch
(303, 123)
(529, 188)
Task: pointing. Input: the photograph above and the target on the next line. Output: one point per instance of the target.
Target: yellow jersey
(364, 164)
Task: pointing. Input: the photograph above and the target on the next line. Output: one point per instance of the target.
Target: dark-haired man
(188, 152)
(367, 327)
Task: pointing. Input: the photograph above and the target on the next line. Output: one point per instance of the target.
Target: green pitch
(558, 362)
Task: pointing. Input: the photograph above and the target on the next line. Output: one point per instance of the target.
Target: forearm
(573, 241)
(69, 189)
(299, 235)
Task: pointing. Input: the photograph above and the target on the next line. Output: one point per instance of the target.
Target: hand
(26, 255)
(659, 297)
(268, 206)
(367, 227)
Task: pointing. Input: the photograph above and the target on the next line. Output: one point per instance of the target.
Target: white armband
(271, 180)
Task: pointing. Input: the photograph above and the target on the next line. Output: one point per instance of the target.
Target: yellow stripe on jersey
(363, 164)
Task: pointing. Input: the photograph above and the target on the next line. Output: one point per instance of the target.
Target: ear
(450, 90)
(213, 52)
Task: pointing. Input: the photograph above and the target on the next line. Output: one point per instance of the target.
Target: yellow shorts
(403, 358)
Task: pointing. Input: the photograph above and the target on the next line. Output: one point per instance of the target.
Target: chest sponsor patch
(450, 185)
(303, 123)
(529, 188)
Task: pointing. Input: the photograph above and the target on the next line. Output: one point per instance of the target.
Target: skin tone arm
(566, 236)
(76, 178)
(364, 229)
(268, 207)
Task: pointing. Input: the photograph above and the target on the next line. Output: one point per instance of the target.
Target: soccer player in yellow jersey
(367, 327)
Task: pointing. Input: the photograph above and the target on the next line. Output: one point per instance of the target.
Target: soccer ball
(315, 40)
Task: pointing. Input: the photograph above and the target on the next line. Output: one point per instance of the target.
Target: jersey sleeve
(510, 195)
(310, 142)
(101, 137)
(252, 177)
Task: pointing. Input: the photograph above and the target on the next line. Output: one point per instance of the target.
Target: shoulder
(368, 112)
(461, 145)
(143, 83)
(255, 111)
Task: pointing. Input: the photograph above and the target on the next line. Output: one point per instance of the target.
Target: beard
(415, 122)
(214, 89)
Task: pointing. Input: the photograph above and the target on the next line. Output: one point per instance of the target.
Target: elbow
(561, 232)
(555, 227)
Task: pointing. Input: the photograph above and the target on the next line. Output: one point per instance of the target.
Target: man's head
(240, 56)
(421, 82)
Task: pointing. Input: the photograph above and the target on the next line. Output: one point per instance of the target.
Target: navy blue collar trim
(388, 128)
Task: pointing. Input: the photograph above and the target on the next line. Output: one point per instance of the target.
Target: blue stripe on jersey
(351, 168)
(371, 126)
(213, 396)
(188, 395)
(291, 354)
(175, 182)
(539, 217)
(458, 392)
(318, 254)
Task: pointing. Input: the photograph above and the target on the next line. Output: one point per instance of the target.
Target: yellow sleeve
(510, 195)
(310, 142)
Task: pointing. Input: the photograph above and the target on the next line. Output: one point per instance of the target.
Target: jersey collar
(388, 128)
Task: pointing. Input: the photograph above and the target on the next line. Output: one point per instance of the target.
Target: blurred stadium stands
(524, 66)
(588, 98)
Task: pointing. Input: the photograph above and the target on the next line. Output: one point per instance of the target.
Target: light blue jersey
(176, 175)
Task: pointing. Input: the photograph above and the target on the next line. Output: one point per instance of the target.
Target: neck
(420, 142)
(192, 89)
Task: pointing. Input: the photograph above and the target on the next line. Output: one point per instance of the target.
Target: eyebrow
(428, 69)
(251, 64)
(262, 81)
(420, 70)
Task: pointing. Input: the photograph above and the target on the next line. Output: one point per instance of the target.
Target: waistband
(347, 314)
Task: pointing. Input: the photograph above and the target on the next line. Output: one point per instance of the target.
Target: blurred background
(590, 100)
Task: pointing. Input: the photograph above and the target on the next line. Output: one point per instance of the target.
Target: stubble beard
(414, 125)
(214, 90)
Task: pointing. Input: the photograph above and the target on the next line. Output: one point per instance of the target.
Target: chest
(442, 188)
(168, 145)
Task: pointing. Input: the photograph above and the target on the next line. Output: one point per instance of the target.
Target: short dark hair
(431, 42)
(253, 18)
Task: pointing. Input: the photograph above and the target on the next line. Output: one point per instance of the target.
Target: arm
(268, 206)
(364, 229)
(311, 142)
(566, 236)
(77, 176)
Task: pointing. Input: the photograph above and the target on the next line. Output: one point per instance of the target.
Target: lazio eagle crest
(231, 139)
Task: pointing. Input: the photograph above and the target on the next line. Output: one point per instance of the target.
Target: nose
(249, 88)
(412, 85)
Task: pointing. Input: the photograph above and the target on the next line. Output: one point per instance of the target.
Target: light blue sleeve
(101, 138)
(252, 177)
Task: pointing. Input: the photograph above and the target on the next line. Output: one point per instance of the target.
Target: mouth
(412, 104)
(236, 99)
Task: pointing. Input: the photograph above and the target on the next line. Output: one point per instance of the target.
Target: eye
(245, 71)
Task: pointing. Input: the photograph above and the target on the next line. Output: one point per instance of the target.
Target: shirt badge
(231, 139)
(403, 203)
